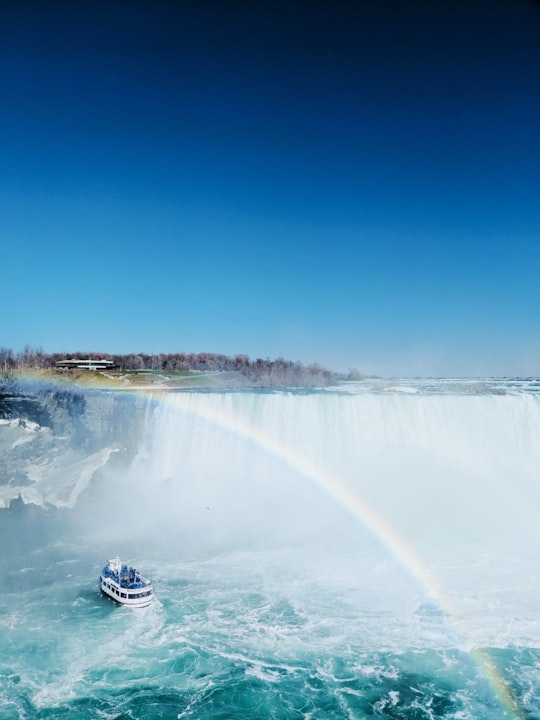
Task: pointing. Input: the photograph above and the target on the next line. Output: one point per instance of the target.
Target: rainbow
(342, 494)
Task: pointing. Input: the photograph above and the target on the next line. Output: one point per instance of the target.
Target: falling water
(365, 550)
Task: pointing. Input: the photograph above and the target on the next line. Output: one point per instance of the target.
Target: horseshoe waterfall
(366, 550)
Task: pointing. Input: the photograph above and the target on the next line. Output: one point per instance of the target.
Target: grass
(119, 379)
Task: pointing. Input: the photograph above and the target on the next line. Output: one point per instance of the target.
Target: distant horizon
(353, 184)
(252, 358)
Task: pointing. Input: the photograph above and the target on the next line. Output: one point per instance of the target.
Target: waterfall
(367, 549)
(445, 470)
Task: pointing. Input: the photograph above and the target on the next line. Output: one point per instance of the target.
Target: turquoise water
(277, 602)
(264, 634)
(244, 635)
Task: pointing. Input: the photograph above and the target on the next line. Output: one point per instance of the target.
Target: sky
(350, 183)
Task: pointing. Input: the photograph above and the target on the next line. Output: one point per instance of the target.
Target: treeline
(260, 372)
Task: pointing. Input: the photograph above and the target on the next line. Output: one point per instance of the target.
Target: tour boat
(125, 585)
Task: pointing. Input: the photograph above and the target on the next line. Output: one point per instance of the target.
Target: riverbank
(124, 379)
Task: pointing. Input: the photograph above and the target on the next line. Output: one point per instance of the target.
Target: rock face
(53, 440)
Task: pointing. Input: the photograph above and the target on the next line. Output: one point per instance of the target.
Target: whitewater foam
(272, 598)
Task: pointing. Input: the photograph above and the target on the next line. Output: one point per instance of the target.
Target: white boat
(125, 585)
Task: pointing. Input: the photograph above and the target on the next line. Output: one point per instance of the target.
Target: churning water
(363, 551)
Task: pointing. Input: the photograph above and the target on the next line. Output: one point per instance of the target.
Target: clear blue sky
(353, 183)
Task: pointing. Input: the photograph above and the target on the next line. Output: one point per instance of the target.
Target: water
(364, 551)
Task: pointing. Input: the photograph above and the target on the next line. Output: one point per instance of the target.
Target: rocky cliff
(54, 439)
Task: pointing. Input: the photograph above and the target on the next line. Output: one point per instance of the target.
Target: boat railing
(129, 578)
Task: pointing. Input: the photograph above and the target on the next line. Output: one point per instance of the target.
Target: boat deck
(127, 577)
